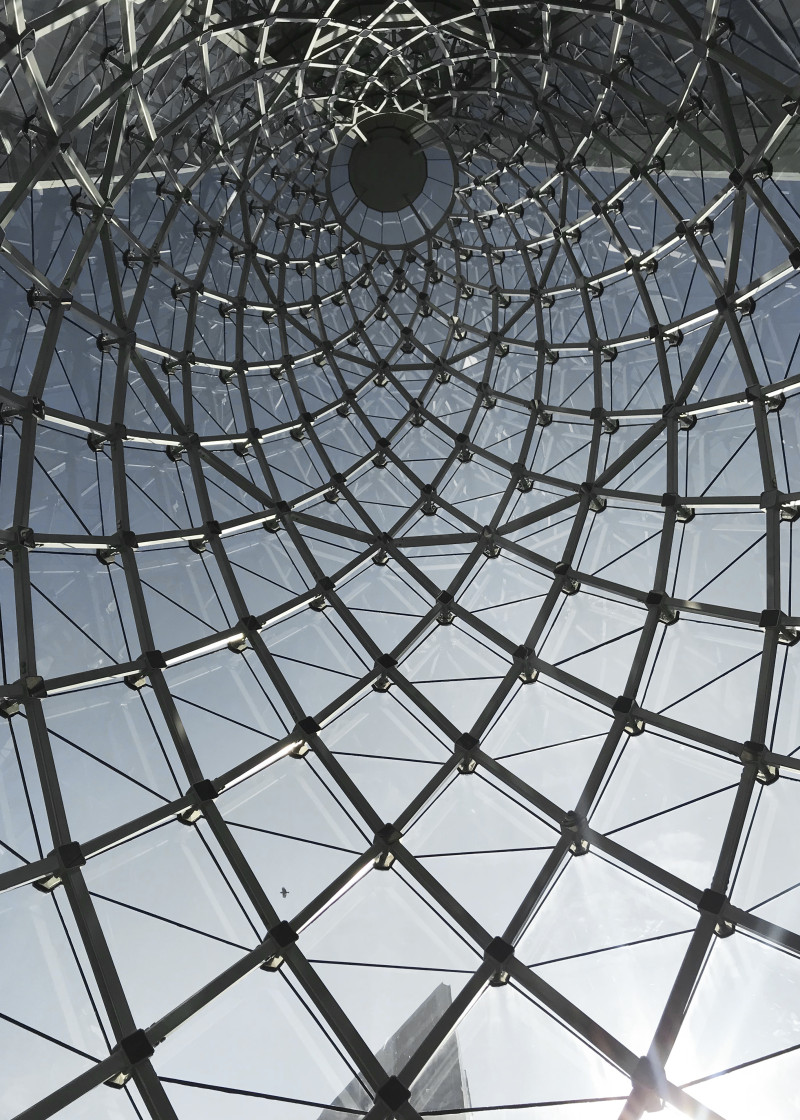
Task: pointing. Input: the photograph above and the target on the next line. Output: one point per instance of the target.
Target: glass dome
(399, 624)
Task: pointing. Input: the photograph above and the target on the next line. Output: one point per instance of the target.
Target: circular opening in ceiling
(388, 169)
(391, 179)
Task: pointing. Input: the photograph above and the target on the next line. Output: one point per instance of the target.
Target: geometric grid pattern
(399, 599)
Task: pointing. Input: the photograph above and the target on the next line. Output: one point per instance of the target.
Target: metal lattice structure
(397, 598)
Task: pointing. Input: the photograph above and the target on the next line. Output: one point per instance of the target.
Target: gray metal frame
(582, 46)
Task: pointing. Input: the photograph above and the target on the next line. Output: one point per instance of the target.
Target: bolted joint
(385, 838)
(24, 538)
(499, 953)
(627, 706)
(305, 730)
(528, 674)
(153, 659)
(774, 402)
(649, 1086)
(767, 774)
(135, 1048)
(9, 708)
(776, 620)
(523, 482)
(429, 507)
(753, 753)
(569, 585)
(543, 417)
(381, 377)
(131, 257)
(202, 792)
(464, 453)
(37, 299)
(683, 513)
(384, 682)
(300, 750)
(48, 884)
(714, 903)
(572, 829)
(491, 546)
(282, 935)
(393, 1095)
(440, 372)
(126, 539)
(466, 745)
(382, 556)
(666, 614)
(69, 857)
(596, 502)
(96, 441)
(487, 398)
(417, 415)
(445, 617)
(609, 424)
(551, 356)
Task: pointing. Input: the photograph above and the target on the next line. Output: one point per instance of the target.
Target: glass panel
(260, 1036)
(759, 1013)
(166, 942)
(516, 1054)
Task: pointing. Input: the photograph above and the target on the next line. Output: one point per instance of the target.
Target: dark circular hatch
(388, 169)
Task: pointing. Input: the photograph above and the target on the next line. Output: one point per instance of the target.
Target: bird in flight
(284, 892)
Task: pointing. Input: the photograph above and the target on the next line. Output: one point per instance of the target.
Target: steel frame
(294, 114)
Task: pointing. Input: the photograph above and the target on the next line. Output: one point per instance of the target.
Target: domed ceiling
(399, 478)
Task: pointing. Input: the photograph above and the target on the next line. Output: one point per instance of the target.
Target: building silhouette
(444, 1085)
